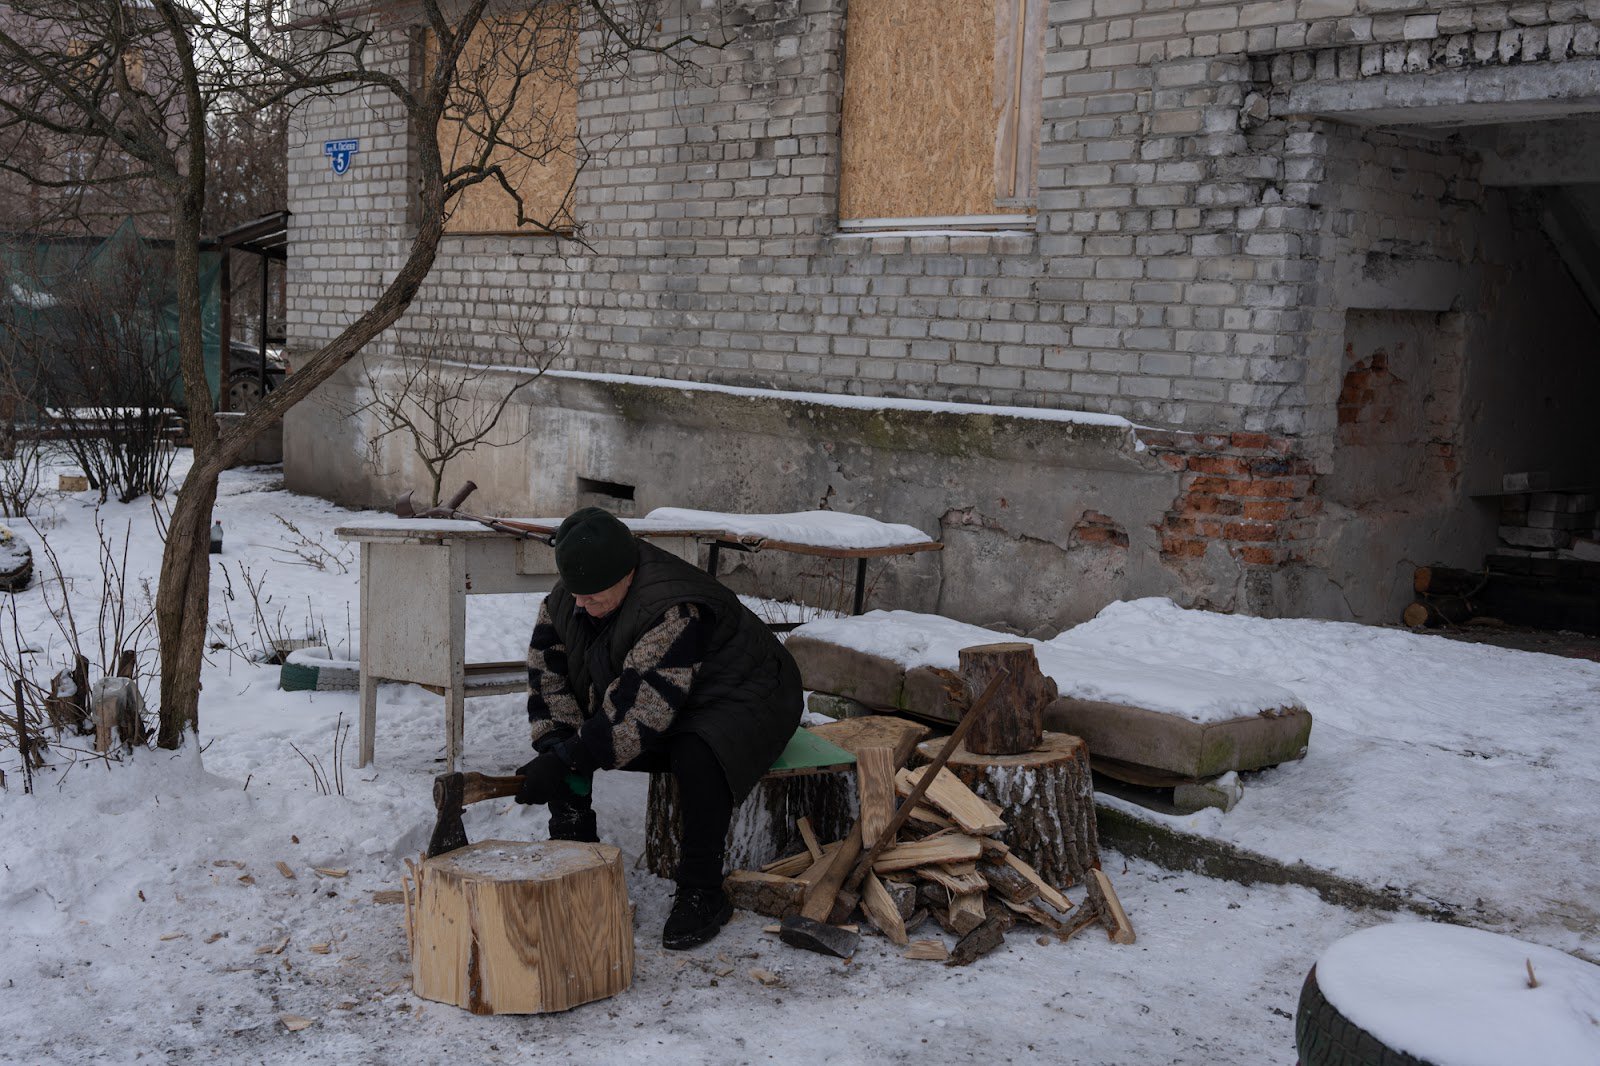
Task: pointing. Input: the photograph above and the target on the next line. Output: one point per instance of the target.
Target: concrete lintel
(1484, 95)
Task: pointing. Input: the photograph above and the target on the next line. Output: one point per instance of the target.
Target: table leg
(369, 684)
(455, 706)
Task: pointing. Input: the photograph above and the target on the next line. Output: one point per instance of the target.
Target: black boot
(698, 914)
(573, 825)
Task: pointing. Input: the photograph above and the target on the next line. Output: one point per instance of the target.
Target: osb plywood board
(519, 79)
(918, 125)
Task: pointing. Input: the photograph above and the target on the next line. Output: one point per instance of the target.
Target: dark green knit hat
(594, 551)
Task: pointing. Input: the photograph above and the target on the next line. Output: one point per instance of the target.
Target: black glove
(542, 779)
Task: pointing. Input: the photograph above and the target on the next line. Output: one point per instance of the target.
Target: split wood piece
(875, 778)
(819, 900)
(875, 731)
(982, 940)
(947, 793)
(1039, 916)
(1007, 882)
(864, 864)
(799, 863)
(927, 816)
(904, 895)
(812, 935)
(1047, 892)
(809, 837)
(1047, 801)
(1117, 925)
(930, 950)
(507, 927)
(928, 852)
(957, 878)
(813, 873)
(967, 912)
(775, 897)
(764, 827)
(880, 909)
(1014, 720)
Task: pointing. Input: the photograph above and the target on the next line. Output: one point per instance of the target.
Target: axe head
(403, 507)
(449, 798)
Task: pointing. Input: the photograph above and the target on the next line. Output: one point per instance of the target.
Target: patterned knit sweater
(610, 729)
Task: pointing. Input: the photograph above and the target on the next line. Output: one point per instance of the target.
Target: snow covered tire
(1325, 1037)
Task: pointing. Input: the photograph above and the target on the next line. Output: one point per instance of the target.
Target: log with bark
(764, 827)
(1046, 800)
(1014, 719)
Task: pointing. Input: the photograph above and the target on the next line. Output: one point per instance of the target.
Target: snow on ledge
(860, 403)
(1081, 669)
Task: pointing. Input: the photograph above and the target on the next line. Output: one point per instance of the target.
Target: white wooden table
(415, 577)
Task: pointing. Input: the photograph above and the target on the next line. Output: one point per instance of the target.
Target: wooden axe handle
(480, 787)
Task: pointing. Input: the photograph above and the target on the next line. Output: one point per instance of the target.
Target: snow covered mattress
(1179, 720)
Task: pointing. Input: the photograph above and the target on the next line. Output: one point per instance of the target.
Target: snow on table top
(818, 529)
(1080, 668)
(1459, 997)
(445, 526)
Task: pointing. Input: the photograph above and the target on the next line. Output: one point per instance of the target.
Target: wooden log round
(764, 825)
(1045, 796)
(1014, 719)
(512, 927)
(1439, 611)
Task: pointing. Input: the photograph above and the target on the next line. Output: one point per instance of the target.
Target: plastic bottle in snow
(216, 537)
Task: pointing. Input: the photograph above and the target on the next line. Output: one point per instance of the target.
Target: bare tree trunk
(183, 601)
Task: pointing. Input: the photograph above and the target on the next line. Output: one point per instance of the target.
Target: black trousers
(703, 798)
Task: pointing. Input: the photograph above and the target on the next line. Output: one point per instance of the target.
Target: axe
(405, 507)
(452, 793)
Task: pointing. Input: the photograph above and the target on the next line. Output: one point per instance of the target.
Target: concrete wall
(1214, 203)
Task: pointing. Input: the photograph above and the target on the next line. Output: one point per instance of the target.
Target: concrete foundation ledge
(1180, 746)
(1176, 850)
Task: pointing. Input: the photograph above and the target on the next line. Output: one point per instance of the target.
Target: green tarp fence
(41, 279)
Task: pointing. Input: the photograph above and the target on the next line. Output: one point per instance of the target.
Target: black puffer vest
(746, 698)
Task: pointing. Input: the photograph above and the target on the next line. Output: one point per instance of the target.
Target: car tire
(1325, 1037)
(245, 390)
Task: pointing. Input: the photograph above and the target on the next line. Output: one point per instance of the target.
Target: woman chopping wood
(641, 661)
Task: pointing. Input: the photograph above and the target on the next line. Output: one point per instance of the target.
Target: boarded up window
(941, 107)
(513, 116)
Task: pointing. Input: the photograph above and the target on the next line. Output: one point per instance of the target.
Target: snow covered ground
(145, 917)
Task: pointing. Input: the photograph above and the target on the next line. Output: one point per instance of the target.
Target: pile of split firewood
(938, 856)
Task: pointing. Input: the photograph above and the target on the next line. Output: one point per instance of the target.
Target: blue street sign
(340, 152)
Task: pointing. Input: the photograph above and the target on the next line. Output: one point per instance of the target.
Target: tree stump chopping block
(508, 927)
(1046, 798)
(764, 825)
